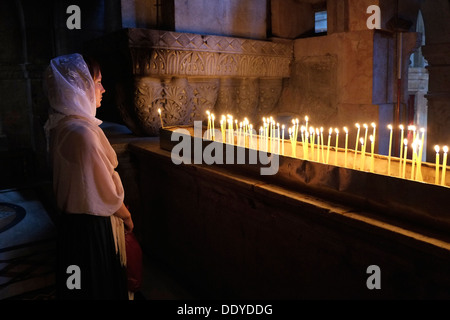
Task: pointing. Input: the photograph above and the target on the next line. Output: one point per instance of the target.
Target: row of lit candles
(271, 139)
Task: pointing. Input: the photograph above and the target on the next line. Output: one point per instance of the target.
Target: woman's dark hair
(93, 65)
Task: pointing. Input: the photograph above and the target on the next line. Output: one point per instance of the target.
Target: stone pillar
(438, 57)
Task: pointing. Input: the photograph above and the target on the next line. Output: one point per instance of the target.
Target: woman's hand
(125, 215)
(128, 223)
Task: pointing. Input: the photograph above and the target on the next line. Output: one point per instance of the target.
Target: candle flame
(361, 141)
(389, 127)
(330, 131)
(357, 125)
(401, 127)
(445, 149)
(336, 130)
(436, 147)
(371, 138)
(405, 142)
(365, 125)
(373, 125)
(159, 111)
(345, 129)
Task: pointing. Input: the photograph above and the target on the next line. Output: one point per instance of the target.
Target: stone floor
(27, 253)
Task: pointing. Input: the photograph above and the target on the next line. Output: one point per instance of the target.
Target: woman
(87, 188)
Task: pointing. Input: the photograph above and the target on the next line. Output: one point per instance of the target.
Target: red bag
(134, 262)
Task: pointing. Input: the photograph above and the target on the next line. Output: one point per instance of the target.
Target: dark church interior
(349, 226)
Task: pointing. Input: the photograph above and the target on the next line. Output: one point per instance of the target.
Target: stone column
(438, 57)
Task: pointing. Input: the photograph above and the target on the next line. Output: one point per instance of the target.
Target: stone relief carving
(181, 101)
(194, 63)
(186, 74)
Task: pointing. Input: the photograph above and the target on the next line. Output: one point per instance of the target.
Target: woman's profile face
(99, 90)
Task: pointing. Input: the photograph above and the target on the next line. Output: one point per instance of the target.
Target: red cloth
(134, 262)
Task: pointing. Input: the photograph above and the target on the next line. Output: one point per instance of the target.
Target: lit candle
(318, 144)
(208, 129)
(329, 140)
(282, 139)
(401, 150)
(212, 124)
(230, 130)
(363, 154)
(223, 125)
(311, 135)
(337, 144)
(306, 123)
(444, 165)
(160, 118)
(266, 135)
(278, 138)
(240, 134)
(390, 148)
(365, 135)
(346, 145)
(291, 137)
(250, 141)
(372, 139)
(356, 144)
(302, 133)
(405, 142)
(419, 157)
(436, 177)
(260, 140)
(307, 145)
(413, 158)
(321, 144)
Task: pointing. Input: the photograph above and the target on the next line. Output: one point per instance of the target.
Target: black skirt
(88, 267)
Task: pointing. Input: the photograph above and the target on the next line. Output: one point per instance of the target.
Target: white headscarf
(70, 90)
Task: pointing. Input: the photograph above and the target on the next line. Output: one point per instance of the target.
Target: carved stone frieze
(185, 74)
(195, 63)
